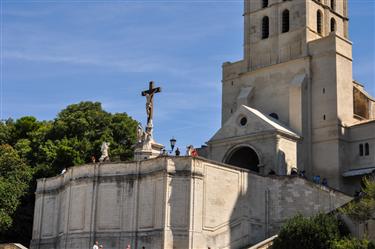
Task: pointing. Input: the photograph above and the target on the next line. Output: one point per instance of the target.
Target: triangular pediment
(248, 121)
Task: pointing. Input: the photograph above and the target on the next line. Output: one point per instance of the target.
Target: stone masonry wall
(169, 202)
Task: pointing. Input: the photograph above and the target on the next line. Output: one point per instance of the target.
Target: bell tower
(276, 31)
(296, 69)
(325, 17)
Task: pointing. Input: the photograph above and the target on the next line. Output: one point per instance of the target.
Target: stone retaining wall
(169, 202)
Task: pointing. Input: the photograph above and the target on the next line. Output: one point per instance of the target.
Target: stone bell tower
(276, 34)
(297, 72)
(270, 37)
(276, 31)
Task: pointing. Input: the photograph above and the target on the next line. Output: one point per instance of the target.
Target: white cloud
(131, 65)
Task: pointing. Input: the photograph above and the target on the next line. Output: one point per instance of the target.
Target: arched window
(333, 25)
(285, 21)
(319, 22)
(367, 149)
(360, 149)
(265, 27)
(333, 4)
(264, 3)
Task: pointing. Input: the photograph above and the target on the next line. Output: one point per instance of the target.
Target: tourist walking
(96, 245)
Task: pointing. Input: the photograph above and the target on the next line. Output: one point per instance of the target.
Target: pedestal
(147, 149)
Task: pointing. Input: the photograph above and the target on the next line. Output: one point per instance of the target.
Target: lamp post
(173, 143)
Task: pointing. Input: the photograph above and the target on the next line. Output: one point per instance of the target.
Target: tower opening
(333, 25)
(333, 4)
(285, 21)
(265, 27)
(264, 3)
(244, 157)
(319, 22)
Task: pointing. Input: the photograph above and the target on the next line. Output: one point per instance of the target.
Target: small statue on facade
(104, 149)
(144, 137)
(140, 134)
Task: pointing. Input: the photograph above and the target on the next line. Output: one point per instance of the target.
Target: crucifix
(150, 101)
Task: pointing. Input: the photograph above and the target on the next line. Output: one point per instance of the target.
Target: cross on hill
(150, 101)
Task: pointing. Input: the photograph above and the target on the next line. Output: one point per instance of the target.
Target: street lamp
(173, 143)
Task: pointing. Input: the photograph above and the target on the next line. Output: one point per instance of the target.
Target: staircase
(12, 246)
(265, 244)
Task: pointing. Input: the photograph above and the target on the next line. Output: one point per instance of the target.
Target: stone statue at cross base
(144, 136)
(146, 147)
(104, 149)
(140, 133)
(145, 141)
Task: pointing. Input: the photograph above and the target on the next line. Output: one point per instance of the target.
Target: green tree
(309, 233)
(6, 129)
(23, 148)
(14, 179)
(322, 231)
(83, 120)
(363, 209)
(25, 125)
(123, 135)
(86, 125)
(352, 243)
(72, 138)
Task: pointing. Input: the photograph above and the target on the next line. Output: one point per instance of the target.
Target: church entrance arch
(244, 157)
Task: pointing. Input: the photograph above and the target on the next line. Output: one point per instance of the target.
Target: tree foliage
(352, 243)
(15, 176)
(5, 133)
(363, 208)
(321, 231)
(308, 233)
(72, 138)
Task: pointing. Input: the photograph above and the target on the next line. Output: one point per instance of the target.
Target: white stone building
(296, 74)
(290, 103)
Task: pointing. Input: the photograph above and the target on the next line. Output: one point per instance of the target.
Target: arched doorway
(244, 157)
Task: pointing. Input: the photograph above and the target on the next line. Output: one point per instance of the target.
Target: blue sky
(55, 53)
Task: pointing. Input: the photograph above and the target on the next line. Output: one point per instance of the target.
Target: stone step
(12, 246)
(265, 244)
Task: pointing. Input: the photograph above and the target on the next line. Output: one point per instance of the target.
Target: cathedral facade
(292, 103)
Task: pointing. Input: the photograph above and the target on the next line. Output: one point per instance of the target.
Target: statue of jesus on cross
(149, 94)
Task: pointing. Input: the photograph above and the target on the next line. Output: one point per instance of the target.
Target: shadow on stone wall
(267, 202)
